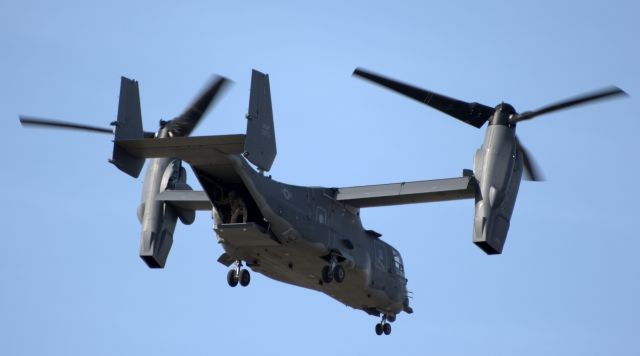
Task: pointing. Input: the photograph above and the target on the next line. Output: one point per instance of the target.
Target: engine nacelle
(498, 171)
(158, 218)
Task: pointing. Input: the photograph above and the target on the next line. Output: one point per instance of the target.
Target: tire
(232, 278)
(386, 328)
(378, 329)
(339, 274)
(326, 275)
(245, 277)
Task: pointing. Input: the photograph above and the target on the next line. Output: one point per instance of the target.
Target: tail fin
(260, 144)
(128, 126)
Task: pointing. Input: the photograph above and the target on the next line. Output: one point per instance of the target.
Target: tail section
(260, 144)
(128, 126)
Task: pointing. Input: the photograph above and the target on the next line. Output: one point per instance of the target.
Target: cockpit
(397, 262)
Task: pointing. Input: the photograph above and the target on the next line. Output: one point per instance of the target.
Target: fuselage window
(380, 257)
(321, 215)
(397, 261)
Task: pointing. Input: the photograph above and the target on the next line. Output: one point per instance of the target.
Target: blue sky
(568, 283)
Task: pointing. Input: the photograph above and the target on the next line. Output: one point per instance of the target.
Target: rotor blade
(184, 124)
(565, 104)
(473, 114)
(531, 170)
(33, 121)
(56, 124)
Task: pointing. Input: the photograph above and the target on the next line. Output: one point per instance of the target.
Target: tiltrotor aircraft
(310, 237)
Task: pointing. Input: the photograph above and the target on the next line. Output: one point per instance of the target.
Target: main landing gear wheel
(232, 278)
(333, 271)
(327, 276)
(245, 277)
(238, 274)
(386, 328)
(383, 326)
(338, 273)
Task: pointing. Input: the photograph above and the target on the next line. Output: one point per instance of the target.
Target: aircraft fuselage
(308, 227)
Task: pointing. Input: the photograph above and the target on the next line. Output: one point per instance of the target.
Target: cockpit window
(397, 261)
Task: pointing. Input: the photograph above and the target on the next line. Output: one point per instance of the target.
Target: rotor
(182, 125)
(476, 114)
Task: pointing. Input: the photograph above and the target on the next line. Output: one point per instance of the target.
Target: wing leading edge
(366, 196)
(425, 191)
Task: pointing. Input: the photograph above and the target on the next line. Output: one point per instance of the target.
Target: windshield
(397, 261)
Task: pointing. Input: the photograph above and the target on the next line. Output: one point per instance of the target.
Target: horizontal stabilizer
(424, 191)
(190, 149)
(186, 199)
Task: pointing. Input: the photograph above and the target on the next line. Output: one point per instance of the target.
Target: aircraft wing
(424, 191)
(366, 196)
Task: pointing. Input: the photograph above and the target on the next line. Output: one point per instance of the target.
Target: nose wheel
(383, 327)
(238, 275)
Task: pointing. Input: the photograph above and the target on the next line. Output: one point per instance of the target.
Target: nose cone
(506, 108)
(502, 113)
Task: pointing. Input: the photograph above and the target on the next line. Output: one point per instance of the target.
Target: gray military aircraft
(310, 237)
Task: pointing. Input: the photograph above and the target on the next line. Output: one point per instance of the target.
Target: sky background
(568, 283)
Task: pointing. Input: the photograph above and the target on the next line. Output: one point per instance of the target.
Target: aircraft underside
(298, 265)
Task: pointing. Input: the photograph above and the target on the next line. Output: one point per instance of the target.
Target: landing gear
(327, 276)
(245, 277)
(339, 273)
(238, 274)
(232, 278)
(386, 328)
(383, 326)
(333, 271)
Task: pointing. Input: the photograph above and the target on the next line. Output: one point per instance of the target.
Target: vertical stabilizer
(260, 144)
(128, 126)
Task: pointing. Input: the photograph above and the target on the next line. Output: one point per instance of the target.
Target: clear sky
(568, 283)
